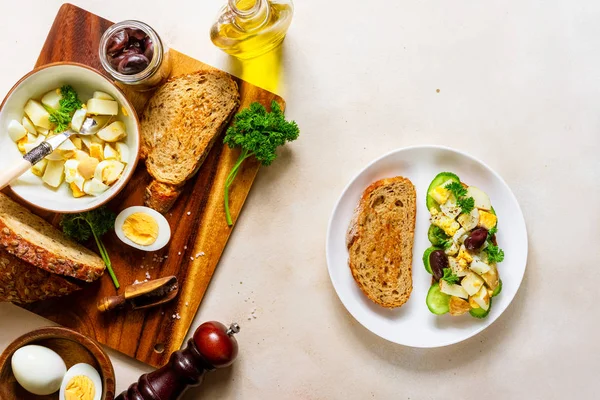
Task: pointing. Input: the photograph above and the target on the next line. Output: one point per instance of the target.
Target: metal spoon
(91, 126)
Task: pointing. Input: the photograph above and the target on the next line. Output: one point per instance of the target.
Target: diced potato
(39, 168)
(472, 283)
(52, 99)
(458, 306)
(478, 266)
(78, 118)
(457, 268)
(96, 139)
(482, 200)
(109, 171)
(94, 187)
(31, 137)
(487, 220)
(469, 221)
(102, 96)
(453, 290)
(113, 132)
(87, 141)
(491, 277)
(71, 170)
(63, 152)
(38, 114)
(110, 153)
(77, 142)
(43, 131)
(123, 150)
(54, 174)
(97, 151)
(16, 131)
(87, 167)
(27, 124)
(482, 298)
(76, 191)
(472, 303)
(102, 107)
(80, 155)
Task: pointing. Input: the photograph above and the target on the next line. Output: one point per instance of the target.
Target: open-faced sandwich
(464, 251)
(380, 241)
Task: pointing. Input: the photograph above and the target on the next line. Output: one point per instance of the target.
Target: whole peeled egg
(38, 369)
(81, 382)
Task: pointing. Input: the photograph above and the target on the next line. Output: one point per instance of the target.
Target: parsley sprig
(465, 203)
(494, 253)
(258, 133)
(450, 276)
(68, 104)
(81, 227)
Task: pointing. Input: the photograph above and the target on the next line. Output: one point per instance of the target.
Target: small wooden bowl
(73, 347)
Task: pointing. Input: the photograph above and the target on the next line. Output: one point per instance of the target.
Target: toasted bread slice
(179, 127)
(33, 240)
(380, 241)
(22, 283)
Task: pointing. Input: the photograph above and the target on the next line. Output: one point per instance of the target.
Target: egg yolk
(141, 228)
(80, 388)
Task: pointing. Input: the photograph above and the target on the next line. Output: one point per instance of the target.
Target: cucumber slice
(437, 236)
(437, 181)
(480, 313)
(498, 289)
(437, 302)
(426, 257)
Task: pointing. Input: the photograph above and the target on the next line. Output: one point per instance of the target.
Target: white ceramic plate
(412, 324)
(85, 81)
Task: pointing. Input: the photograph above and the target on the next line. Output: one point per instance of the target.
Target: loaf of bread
(35, 241)
(23, 283)
(179, 127)
(380, 241)
(36, 260)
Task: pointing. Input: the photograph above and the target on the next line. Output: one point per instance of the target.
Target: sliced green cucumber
(437, 236)
(437, 302)
(426, 257)
(498, 289)
(437, 181)
(480, 313)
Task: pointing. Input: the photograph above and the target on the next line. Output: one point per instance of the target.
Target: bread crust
(387, 280)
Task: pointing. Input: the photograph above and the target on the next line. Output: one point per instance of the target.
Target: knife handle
(111, 302)
(13, 172)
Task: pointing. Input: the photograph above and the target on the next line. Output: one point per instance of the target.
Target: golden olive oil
(249, 28)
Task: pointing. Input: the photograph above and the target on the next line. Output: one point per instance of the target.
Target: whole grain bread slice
(380, 241)
(33, 240)
(23, 283)
(179, 127)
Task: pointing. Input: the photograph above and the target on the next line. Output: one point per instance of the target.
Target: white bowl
(412, 324)
(85, 80)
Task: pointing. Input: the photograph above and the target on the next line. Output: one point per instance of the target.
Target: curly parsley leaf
(450, 276)
(492, 231)
(81, 227)
(258, 133)
(466, 204)
(494, 253)
(458, 190)
(68, 104)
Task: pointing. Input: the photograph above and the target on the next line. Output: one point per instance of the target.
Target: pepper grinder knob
(216, 343)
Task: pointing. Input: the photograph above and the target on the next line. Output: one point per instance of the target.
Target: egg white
(85, 370)
(164, 230)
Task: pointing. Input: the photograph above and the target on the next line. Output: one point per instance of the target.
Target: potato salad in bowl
(86, 170)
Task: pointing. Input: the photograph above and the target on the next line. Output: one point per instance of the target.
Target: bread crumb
(192, 258)
(189, 213)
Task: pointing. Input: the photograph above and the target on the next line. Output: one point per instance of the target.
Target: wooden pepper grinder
(213, 346)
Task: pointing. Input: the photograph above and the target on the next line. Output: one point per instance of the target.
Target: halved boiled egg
(81, 382)
(143, 228)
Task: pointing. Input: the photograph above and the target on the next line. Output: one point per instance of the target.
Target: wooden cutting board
(197, 220)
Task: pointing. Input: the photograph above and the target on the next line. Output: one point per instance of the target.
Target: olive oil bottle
(249, 28)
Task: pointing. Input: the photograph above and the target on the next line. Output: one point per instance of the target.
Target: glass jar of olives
(133, 54)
